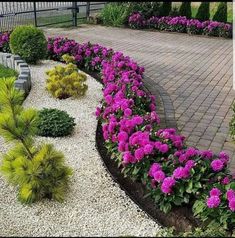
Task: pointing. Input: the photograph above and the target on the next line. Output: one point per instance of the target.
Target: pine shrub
(221, 13)
(203, 13)
(38, 171)
(165, 9)
(185, 10)
(54, 123)
(66, 81)
(29, 42)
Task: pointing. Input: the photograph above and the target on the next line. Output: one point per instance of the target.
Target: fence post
(75, 10)
(35, 14)
(87, 10)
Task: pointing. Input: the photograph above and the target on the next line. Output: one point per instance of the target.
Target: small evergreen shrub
(66, 81)
(203, 12)
(29, 42)
(165, 8)
(221, 13)
(185, 9)
(38, 171)
(54, 123)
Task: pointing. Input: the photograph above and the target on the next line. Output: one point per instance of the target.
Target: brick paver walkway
(196, 73)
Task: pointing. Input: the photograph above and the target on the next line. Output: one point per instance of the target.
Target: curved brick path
(196, 73)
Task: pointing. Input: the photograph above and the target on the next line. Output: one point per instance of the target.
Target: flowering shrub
(218, 204)
(182, 177)
(173, 173)
(181, 24)
(4, 42)
(136, 20)
(178, 24)
(194, 26)
(57, 47)
(86, 55)
(214, 28)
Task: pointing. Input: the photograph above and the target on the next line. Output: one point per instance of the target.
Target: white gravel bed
(94, 204)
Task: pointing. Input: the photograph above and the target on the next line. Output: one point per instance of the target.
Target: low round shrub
(65, 81)
(29, 42)
(54, 123)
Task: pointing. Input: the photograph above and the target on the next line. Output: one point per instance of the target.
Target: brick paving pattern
(195, 71)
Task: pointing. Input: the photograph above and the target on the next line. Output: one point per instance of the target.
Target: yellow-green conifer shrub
(66, 81)
(38, 171)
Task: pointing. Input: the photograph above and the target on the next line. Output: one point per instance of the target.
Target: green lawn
(57, 19)
(213, 8)
(7, 72)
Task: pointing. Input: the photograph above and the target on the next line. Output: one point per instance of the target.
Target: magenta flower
(167, 185)
(159, 176)
(122, 136)
(217, 165)
(230, 194)
(127, 157)
(225, 180)
(224, 157)
(215, 192)
(180, 172)
(127, 112)
(154, 168)
(139, 154)
(231, 204)
(213, 201)
(148, 149)
(164, 148)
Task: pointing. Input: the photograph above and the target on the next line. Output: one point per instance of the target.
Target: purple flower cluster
(181, 24)
(59, 46)
(136, 20)
(4, 41)
(214, 200)
(87, 55)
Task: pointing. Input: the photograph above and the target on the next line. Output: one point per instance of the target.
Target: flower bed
(181, 24)
(173, 174)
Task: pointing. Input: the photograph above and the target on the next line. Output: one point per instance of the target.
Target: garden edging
(23, 81)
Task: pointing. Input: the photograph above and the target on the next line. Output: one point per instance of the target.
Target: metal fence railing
(45, 13)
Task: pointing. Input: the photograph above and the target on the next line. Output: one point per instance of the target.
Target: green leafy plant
(66, 81)
(221, 13)
(232, 123)
(185, 9)
(114, 14)
(203, 12)
(38, 171)
(29, 42)
(54, 123)
(216, 231)
(6, 72)
(165, 8)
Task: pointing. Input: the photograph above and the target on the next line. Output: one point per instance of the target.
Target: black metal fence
(45, 13)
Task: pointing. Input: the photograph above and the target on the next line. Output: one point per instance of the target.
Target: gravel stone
(94, 204)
